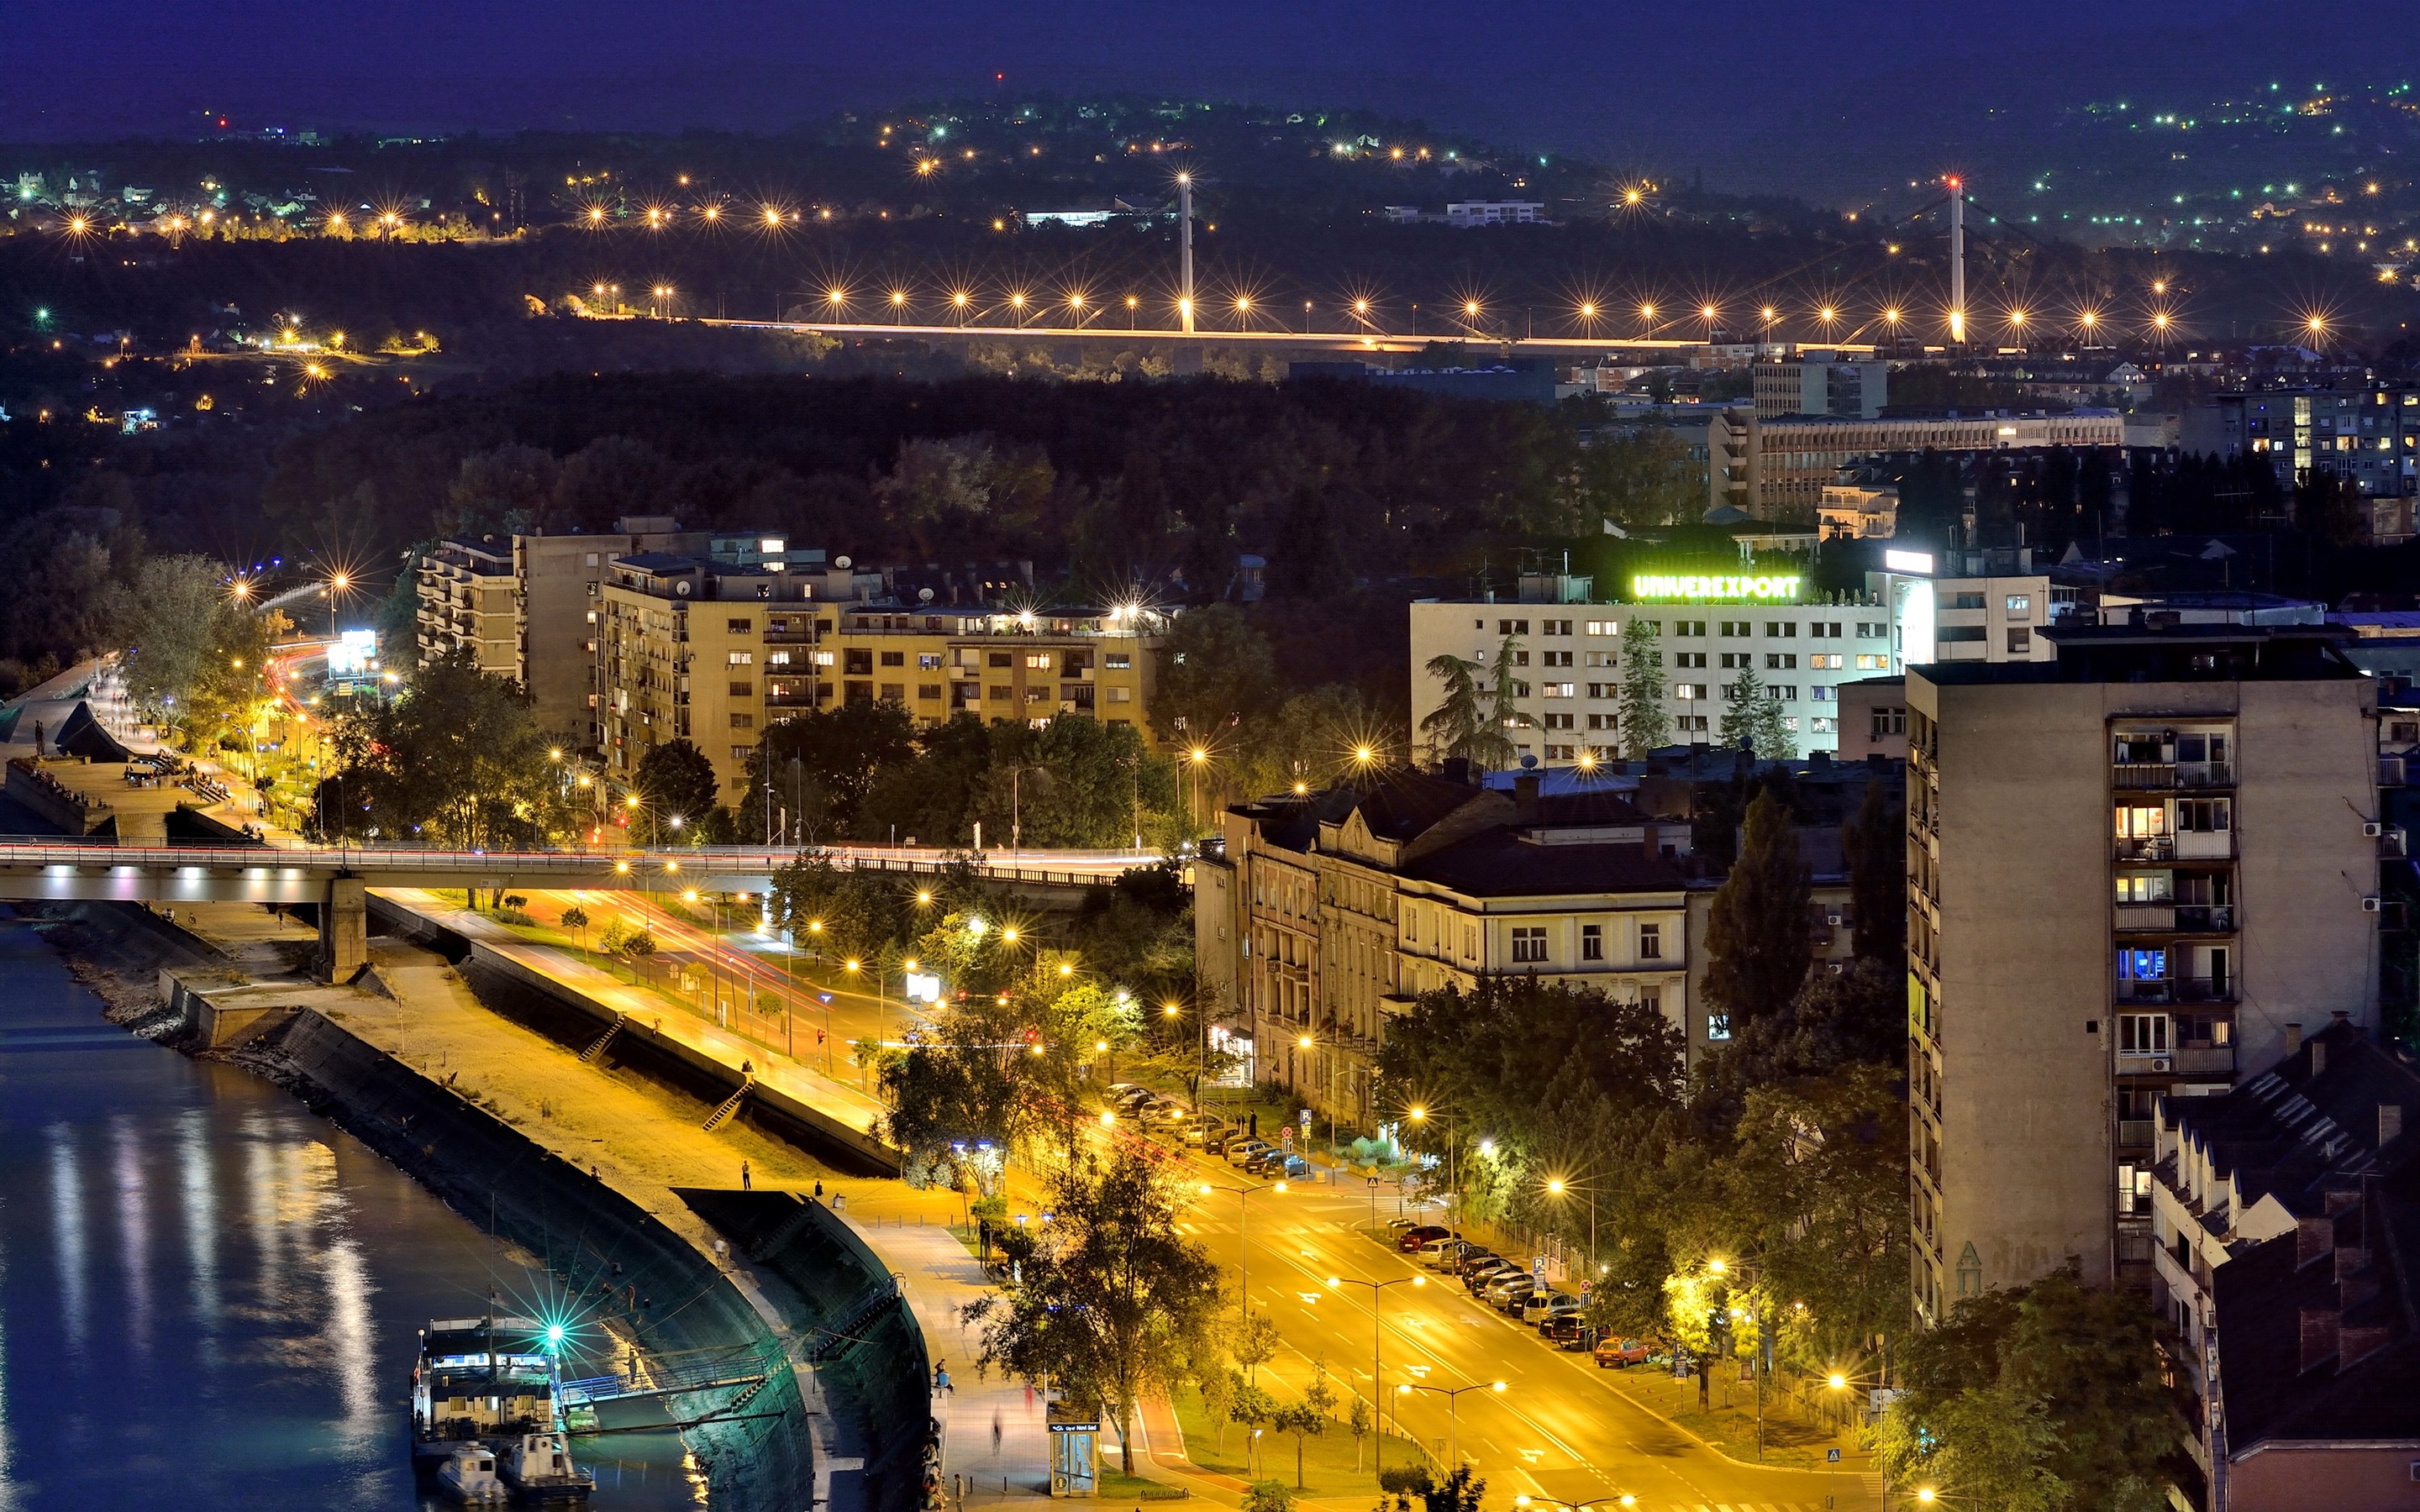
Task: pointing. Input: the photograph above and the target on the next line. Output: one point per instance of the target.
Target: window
(1511, 627)
(1829, 630)
(2021, 603)
(1686, 723)
(1737, 628)
(824, 658)
(1875, 631)
(1787, 629)
(777, 658)
(894, 658)
(928, 661)
(1121, 695)
(1002, 658)
(1686, 692)
(1782, 692)
(1823, 725)
(742, 658)
(1957, 600)
(2021, 642)
(1822, 695)
(2205, 816)
(742, 690)
(1604, 658)
(1558, 721)
(2141, 1034)
(857, 663)
(1038, 661)
(1781, 662)
(999, 695)
(1867, 663)
(1688, 626)
(1530, 944)
(739, 626)
(1650, 942)
(1604, 626)
(1520, 689)
(1738, 659)
(1601, 721)
(1554, 627)
(1554, 658)
(1890, 722)
(740, 753)
(1520, 658)
(1718, 1026)
(1591, 942)
(895, 692)
(928, 691)
(1960, 635)
(743, 721)
(1604, 690)
(1560, 753)
(1827, 663)
(1686, 660)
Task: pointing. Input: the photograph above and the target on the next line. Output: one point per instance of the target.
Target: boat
(468, 1474)
(538, 1468)
(481, 1381)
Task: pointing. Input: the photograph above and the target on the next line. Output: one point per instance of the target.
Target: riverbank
(578, 1165)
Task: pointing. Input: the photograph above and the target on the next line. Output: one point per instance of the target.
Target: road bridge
(337, 879)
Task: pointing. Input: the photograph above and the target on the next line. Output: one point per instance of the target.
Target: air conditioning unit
(1833, 919)
(2372, 830)
(2373, 905)
(2162, 1063)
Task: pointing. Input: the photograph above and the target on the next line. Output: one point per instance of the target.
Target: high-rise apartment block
(2131, 869)
(1820, 383)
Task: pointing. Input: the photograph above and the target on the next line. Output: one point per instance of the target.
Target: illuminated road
(1562, 1430)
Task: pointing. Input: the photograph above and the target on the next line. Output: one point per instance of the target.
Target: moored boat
(538, 1468)
(480, 1381)
(468, 1474)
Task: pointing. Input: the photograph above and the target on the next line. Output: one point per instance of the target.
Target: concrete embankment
(614, 1259)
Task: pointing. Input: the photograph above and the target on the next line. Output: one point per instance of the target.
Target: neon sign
(1783, 588)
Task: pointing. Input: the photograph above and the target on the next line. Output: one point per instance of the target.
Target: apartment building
(2285, 1231)
(714, 652)
(1331, 912)
(468, 602)
(1820, 383)
(1778, 468)
(2369, 433)
(2129, 869)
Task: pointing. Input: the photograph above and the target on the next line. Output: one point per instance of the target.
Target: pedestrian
(957, 1487)
(1256, 1126)
(994, 1433)
(747, 1178)
(1029, 1399)
(819, 1189)
(591, 1170)
(747, 1068)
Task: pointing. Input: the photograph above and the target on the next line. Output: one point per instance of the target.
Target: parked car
(1286, 1168)
(1395, 1226)
(1411, 1239)
(1487, 1273)
(1441, 1253)
(1548, 1306)
(1568, 1330)
(1205, 1130)
(1240, 1150)
(1508, 1293)
(1118, 1090)
(1473, 1257)
(1612, 1351)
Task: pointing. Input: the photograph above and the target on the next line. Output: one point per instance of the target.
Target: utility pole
(1185, 244)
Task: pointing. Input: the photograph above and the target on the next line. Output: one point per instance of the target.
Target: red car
(1410, 1240)
(1613, 1351)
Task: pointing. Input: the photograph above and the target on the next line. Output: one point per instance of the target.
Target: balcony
(2136, 1134)
(2204, 1060)
(2175, 990)
(2205, 845)
(2175, 919)
(2145, 848)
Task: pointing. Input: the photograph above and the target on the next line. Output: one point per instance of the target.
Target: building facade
(1820, 383)
(1778, 468)
(468, 602)
(2370, 434)
(2128, 870)
(715, 650)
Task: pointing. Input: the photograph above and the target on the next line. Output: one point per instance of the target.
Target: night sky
(1709, 84)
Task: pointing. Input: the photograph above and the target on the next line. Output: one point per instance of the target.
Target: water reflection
(256, 1358)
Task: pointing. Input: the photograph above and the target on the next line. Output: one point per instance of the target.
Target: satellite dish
(681, 587)
(1527, 762)
(924, 595)
(842, 563)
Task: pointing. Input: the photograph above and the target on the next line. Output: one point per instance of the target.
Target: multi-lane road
(1561, 1430)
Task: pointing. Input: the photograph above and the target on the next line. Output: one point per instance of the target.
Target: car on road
(1240, 1150)
(1612, 1351)
(1287, 1169)
(1547, 1306)
(1411, 1239)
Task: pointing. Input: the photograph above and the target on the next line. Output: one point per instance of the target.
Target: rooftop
(2164, 654)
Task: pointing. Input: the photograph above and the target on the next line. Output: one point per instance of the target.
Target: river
(210, 1295)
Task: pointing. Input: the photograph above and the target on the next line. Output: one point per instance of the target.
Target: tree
(455, 760)
(1267, 1496)
(1301, 1420)
(1645, 723)
(1218, 1382)
(1359, 1423)
(1458, 1492)
(575, 918)
(1758, 942)
(1216, 669)
(1987, 1446)
(1742, 701)
(677, 781)
(1256, 1343)
(1464, 727)
(1875, 844)
(178, 617)
(838, 754)
(1504, 693)
(1110, 1298)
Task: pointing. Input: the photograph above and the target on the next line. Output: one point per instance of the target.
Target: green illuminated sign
(1689, 587)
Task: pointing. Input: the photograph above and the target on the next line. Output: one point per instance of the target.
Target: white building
(1568, 655)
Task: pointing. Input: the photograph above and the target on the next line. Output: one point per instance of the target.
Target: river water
(209, 1295)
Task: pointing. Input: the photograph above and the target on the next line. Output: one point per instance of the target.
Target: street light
(1377, 1288)
(1452, 1396)
(1243, 1249)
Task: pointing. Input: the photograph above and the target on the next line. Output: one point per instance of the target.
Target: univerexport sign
(1692, 588)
